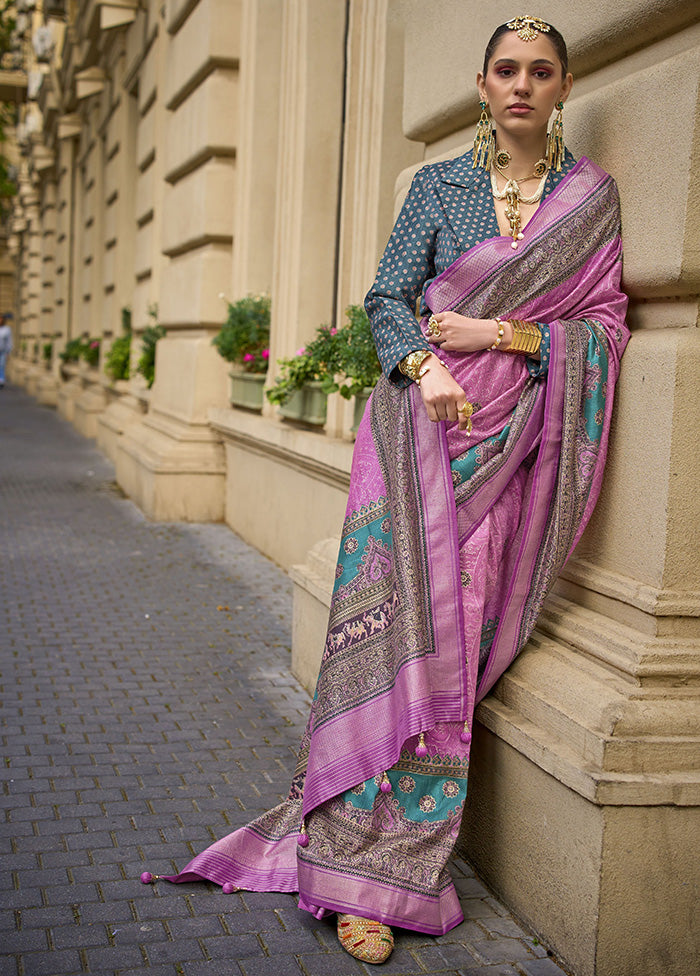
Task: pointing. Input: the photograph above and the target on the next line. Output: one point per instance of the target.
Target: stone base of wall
(91, 403)
(33, 377)
(281, 483)
(583, 805)
(313, 585)
(16, 370)
(47, 390)
(611, 889)
(121, 413)
(66, 396)
(172, 470)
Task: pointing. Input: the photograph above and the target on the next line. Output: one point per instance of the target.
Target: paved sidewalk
(147, 708)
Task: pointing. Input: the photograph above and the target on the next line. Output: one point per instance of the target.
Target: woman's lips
(520, 109)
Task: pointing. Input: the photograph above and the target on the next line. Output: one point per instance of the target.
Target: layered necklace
(512, 194)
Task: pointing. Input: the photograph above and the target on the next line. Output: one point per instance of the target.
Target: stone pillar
(46, 390)
(172, 463)
(30, 308)
(68, 131)
(311, 117)
(93, 257)
(256, 156)
(374, 151)
(311, 34)
(124, 406)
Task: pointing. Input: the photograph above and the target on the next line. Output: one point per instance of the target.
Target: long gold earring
(555, 140)
(484, 142)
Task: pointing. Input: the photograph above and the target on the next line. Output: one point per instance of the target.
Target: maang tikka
(484, 142)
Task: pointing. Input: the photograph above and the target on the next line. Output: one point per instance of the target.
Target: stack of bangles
(527, 337)
(526, 341)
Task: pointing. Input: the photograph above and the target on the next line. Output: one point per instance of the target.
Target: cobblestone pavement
(147, 708)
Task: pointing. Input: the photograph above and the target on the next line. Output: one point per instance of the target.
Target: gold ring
(434, 327)
(467, 409)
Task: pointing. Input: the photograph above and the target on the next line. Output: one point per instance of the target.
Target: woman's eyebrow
(513, 61)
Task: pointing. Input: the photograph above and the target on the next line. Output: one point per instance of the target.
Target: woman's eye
(542, 75)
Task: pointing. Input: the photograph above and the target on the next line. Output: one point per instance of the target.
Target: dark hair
(553, 35)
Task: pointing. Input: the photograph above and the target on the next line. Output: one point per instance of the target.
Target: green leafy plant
(126, 318)
(118, 358)
(117, 362)
(244, 337)
(71, 352)
(343, 360)
(359, 363)
(319, 360)
(90, 351)
(8, 115)
(146, 365)
(47, 351)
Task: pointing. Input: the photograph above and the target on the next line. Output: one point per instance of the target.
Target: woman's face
(523, 83)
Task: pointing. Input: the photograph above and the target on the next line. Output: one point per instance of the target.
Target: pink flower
(300, 352)
(333, 330)
(265, 354)
(248, 358)
(95, 345)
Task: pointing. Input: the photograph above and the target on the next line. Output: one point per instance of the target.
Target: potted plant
(90, 351)
(69, 355)
(302, 387)
(244, 341)
(343, 360)
(359, 367)
(117, 361)
(146, 365)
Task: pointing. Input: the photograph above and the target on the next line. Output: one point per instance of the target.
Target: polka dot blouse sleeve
(538, 368)
(407, 262)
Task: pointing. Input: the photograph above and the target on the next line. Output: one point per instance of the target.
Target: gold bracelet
(527, 337)
(499, 338)
(411, 364)
(425, 366)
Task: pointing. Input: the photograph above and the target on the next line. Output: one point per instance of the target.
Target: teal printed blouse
(449, 208)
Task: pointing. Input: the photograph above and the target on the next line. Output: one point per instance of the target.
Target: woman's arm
(407, 263)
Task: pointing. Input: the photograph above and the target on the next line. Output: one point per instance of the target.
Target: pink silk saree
(449, 547)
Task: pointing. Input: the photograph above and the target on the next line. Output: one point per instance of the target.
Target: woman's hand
(441, 393)
(460, 334)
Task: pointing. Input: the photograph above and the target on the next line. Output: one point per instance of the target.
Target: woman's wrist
(501, 327)
(518, 336)
(411, 364)
(427, 365)
(526, 338)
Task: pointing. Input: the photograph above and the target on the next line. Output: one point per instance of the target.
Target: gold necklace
(502, 160)
(513, 197)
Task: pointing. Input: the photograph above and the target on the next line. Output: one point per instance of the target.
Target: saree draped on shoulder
(449, 548)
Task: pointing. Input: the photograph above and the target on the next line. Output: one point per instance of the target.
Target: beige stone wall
(180, 150)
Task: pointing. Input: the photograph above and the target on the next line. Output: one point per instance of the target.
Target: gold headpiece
(528, 28)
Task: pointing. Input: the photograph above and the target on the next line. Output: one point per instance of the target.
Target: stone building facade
(175, 150)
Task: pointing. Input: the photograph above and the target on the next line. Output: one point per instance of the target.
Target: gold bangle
(499, 337)
(527, 337)
(425, 366)
(411, 364)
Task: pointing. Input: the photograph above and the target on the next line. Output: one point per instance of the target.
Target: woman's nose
(522, 84)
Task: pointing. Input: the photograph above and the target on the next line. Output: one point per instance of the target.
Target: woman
(475, 471)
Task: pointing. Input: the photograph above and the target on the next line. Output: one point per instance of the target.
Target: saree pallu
(449, 547)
